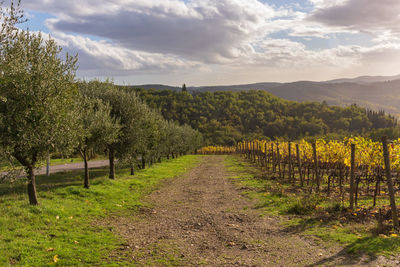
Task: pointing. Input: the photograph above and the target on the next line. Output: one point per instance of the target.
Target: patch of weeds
(386, 245)
(203, 262)
(304, 205)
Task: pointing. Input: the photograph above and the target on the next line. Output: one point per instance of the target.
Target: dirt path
(62, 168)
(72, 166)
(201, 218)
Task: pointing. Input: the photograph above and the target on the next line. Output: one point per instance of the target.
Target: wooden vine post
(254, 151)
(299, 165)
(386, 157)
(266, 157)
(257, 148)
(314, 146)
(273, 158)
(352, 167)
(248, 148)
(278, 160)
(290, 161)
(250, 151)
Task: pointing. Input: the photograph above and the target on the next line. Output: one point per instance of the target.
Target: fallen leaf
(231, 244)
(49, 249)
(55, 258)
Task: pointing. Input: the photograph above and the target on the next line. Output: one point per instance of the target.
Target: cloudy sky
(213, 42)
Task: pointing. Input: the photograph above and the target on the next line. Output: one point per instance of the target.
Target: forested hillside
(227, 117)
(370, 92)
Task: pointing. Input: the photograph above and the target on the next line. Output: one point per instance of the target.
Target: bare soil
(202, 219)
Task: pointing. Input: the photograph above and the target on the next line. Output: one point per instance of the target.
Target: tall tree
(37, 100)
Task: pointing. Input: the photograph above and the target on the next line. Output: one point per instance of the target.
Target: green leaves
(99, 129)
(40, 113)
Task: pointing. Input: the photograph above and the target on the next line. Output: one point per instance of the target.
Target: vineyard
(353, 171)
(216, 150)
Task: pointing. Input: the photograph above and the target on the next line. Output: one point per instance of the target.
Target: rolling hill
(374, 92)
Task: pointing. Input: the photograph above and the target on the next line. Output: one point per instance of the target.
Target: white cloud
(105, 59)
(326, 3)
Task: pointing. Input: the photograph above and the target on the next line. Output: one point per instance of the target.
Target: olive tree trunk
(143, 163)
(31, 185)
(112, 166)
(132, 170)
(85, 161)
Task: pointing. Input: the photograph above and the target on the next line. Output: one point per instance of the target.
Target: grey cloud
(361, 15)
(208, 30)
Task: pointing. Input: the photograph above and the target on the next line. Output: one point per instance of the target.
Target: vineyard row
(351, 170)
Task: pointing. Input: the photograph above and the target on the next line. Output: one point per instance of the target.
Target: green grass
(64, 222)
(271, 198)
(313, 215)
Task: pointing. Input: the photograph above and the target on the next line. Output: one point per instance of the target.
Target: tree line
(44, 109)
(225, 118)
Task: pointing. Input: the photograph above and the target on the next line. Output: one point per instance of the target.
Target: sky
(221, 42)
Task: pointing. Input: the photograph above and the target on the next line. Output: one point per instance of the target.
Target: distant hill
(366, 79)
(374, 92)
(243, 87)
(376, 96)
(157, 87)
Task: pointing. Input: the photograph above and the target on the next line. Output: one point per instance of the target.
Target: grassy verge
(309, 214)
(61, 230)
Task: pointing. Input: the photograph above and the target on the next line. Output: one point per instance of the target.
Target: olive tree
(130, 111)
(99, 129)
(152, 136)
(171, 142)
(37, 100)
